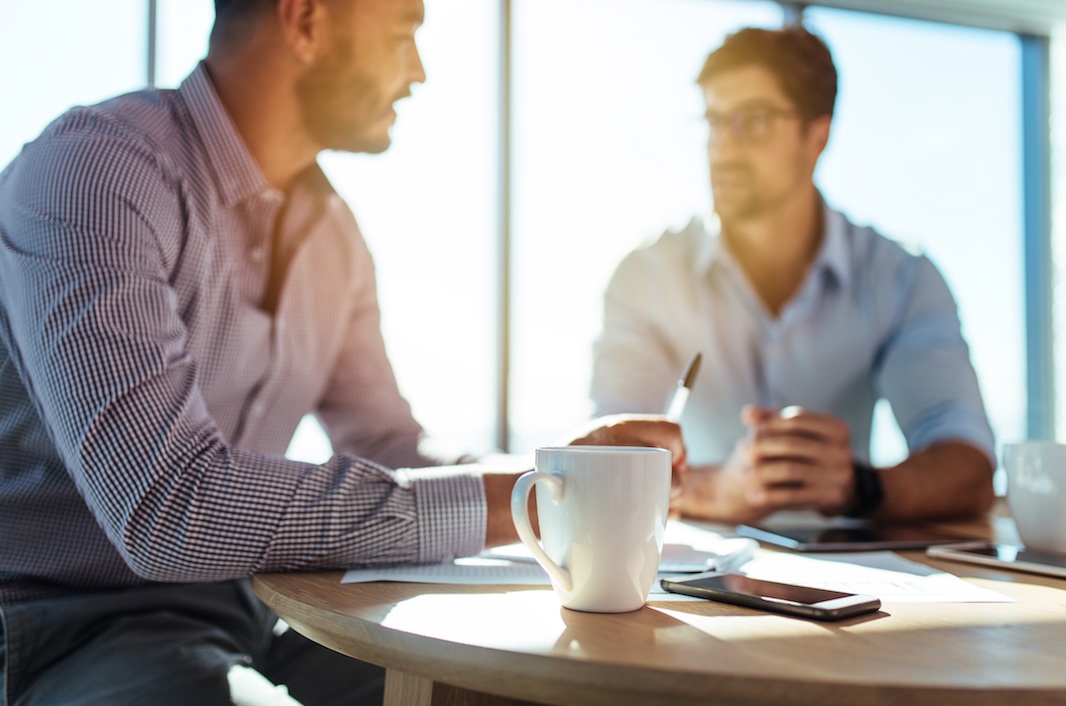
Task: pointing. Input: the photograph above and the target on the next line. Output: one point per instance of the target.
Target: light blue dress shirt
(870, 320)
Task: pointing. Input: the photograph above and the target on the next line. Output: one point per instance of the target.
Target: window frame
(1033, 30)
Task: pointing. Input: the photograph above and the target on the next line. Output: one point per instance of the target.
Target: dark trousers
(165, 645)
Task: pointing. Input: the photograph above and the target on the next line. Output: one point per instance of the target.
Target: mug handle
(520, 515)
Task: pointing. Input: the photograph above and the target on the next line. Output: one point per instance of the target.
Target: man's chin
(377, 146)
(367, 144)
(737, 209)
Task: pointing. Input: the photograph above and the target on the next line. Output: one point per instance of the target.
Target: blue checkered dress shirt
(146, 394)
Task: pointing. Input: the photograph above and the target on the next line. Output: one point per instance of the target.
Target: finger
(796, 473)
(677, 483)
(779, 497)
(800, 448)
(799, 422)
(633, 430)
(752, 415)
(783, 472)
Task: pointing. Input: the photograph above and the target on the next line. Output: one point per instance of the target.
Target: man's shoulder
(673, 247)
(660, 265)
(147, 121)
(872, 250)
(882, 264)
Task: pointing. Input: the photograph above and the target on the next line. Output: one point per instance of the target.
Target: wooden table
(490, 645)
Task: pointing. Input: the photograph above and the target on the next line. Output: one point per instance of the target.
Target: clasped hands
(792, 458)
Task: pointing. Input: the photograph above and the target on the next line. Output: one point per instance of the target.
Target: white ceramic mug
(1036, 493)
(602, 512)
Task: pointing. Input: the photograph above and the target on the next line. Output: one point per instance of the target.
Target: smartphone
(1003, 556)
(803, 601)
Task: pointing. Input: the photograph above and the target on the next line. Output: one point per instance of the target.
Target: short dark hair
(800, 61)
(233, 15)
(226, 10)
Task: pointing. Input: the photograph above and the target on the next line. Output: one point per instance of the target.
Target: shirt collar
(237, 174)
(832, 256)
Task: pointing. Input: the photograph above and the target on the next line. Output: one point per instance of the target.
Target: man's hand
(790, 459)
(799, 459)
(639, 430)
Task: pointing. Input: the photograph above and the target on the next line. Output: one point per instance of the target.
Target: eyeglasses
(747, 126)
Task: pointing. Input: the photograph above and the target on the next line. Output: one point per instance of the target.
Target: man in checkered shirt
(179, 286)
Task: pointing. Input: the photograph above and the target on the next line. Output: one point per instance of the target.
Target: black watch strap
(868, 491)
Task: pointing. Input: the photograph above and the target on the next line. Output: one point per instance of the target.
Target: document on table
(471, 570)
(886, 575)
(687, 549)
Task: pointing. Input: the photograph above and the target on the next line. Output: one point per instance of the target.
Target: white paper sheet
(687, 549)
(678, 558)
(472, 571)
(690, 548)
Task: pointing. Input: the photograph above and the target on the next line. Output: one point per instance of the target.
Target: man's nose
(418, 71)
(722, 144)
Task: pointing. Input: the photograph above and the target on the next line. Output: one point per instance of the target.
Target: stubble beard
(334, 103)
(756, 203)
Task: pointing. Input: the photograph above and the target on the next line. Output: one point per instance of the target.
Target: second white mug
(1036, 493)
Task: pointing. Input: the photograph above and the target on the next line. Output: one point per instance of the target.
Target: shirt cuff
(451, 510)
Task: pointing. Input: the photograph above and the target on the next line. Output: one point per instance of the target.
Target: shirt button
(258, 409)
(256, 254)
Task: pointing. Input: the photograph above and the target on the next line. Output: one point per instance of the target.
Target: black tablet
(849, 538)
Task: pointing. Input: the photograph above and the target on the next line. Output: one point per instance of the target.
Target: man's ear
(818, 134)
(301, 24)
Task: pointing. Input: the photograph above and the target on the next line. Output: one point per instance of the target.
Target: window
(58, 54)
(182, 30)
(428, 209)
(926, 147)
(607, 153)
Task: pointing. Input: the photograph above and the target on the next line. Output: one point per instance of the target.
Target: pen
(684, 386)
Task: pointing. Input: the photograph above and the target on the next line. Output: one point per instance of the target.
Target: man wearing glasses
(804, 320)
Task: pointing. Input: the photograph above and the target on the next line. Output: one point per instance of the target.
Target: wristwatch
(868, 491)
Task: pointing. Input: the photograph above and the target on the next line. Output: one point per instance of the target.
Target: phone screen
(766, 589)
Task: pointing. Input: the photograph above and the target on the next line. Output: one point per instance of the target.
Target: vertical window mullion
(153, 26)
(503, 273)
(1036, 169)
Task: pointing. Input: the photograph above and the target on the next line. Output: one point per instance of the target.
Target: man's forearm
(948, 479)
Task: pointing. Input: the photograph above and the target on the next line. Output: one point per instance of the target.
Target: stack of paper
(687, 549)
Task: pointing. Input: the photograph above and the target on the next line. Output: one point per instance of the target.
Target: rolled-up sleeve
(924, 368)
